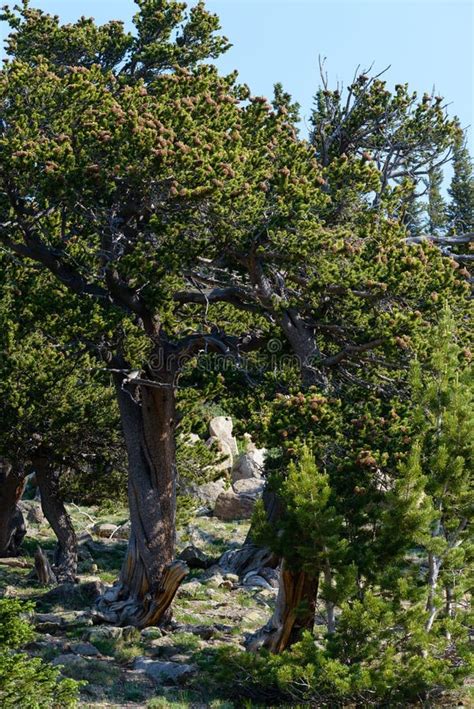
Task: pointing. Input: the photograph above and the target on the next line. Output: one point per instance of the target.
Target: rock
(164, 672)
(73, 661)
(249, 465)
(189, 589)
(205, 632)
(231, 505)
(48, 623)
(226, 584)
(207, 492)
(215, 579)
(255, 581)
(250, 487)
(103, 632)
(195, 558)
(84, 648)
(233, 578)
(75, 594)
(221, 427)
(104, 529)
(151, 633)
(47, 643)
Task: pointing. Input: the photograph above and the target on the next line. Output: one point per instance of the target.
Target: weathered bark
(294, 612)
(149, 577)
(12, 523)
(52, 504)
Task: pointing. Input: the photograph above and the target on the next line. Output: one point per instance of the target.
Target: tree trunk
(149, 577)
(12, 524)
(294, 612)
(65, 556)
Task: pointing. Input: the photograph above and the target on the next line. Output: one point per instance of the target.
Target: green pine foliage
(436, 208)
(461, 190)
(28, 683)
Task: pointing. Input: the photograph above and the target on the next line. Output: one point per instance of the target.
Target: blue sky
(427, 42)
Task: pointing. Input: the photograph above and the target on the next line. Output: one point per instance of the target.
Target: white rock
(221, 427)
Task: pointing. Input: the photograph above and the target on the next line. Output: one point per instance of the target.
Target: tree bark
(52, 504)
(294, 612)
(149, 577)
(12, 523)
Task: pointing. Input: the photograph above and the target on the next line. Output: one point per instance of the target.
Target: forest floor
(124, 668)
(154, 669)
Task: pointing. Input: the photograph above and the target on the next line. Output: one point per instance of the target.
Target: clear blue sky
(427, 42)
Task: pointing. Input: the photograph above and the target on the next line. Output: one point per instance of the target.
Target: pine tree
(445, 409)
(27, 683)
(436, 208)
(461, 191)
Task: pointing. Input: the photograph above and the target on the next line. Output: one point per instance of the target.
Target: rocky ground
(122, 667)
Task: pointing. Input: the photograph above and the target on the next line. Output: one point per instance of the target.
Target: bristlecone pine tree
(125, 160)
(332, 269)
(57, 412)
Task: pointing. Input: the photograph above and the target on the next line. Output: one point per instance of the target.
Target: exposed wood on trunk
(43, 568)
(12, 524)
(52, 504)
(294, 612)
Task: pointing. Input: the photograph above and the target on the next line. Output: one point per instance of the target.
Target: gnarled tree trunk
(12, 523)
(294, 612)
(65, 555)
(149, 577)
